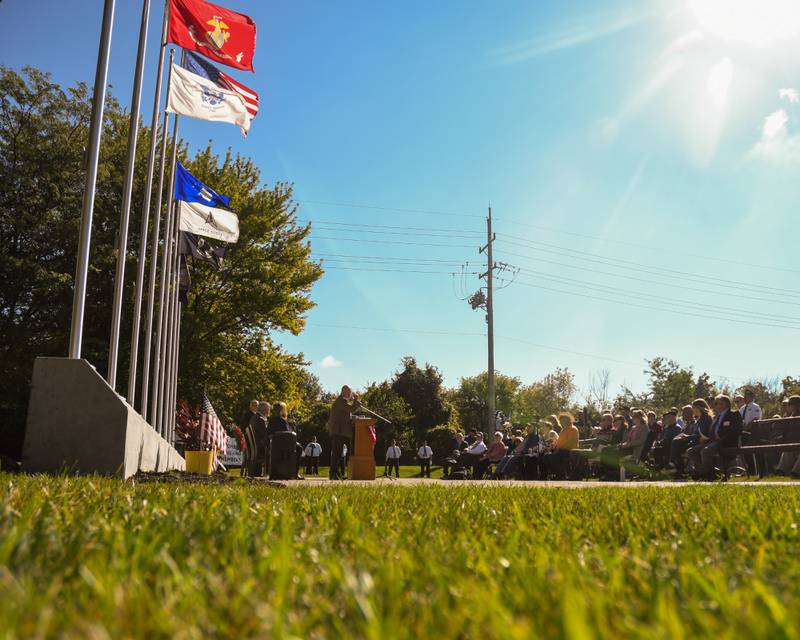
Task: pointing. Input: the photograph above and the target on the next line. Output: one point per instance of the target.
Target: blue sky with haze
(641, 159)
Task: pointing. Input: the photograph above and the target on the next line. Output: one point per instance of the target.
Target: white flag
(194, 96)
(209, 222)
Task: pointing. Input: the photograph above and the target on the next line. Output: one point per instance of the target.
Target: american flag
(201, 67)
(211, 429)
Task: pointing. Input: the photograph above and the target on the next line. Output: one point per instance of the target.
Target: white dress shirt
(750, 412)
(479, 448)
(393, 453)
(313, 449)
(425, 452)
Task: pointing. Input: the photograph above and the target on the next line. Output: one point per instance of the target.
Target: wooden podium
(362, 461)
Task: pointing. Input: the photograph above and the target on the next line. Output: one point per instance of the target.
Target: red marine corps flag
(215, 32)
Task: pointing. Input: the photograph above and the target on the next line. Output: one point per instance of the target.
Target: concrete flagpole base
(78, 423)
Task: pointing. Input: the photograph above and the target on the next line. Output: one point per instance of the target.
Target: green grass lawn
(98, 558)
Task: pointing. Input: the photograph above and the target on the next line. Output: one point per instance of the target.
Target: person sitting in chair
(494, 454)
(509, 465)
(724, 433)
(556, 461)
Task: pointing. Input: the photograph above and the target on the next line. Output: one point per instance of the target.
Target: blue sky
(641, 160)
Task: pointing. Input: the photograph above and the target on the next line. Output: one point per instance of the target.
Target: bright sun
(749, 21)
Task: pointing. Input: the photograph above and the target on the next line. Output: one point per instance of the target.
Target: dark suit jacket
(730, 428)
(339, 423)
(258, 424)
(276, 424)
(246, 418)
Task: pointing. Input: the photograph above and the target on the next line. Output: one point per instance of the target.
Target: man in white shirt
(750, 410)
(393, 459)
(425, 454)
(312, 452)
(474, 453)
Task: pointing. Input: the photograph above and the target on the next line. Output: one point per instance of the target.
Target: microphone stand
(380, 417)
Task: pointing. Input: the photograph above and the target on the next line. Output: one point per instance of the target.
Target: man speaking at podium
(341, 427)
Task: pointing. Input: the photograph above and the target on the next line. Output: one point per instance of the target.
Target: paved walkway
(562, 484)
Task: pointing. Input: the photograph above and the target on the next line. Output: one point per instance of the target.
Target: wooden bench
(758, 451)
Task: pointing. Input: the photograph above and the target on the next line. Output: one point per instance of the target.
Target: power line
(628, 243)
(652, 308)
(396, 209)
(638, 245)
(396, 233)
(646, 297)
(384, 226)
(394, 330)
(338, 268)
(593, 270)
(452, 263)
(399, 242)
(389, 258)
(636, 266)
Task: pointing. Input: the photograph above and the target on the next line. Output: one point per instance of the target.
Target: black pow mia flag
(200, 249)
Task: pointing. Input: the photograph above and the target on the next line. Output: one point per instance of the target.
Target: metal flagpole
(172, 292)
(151, 294)
(174, 379)
(127, 191)
(162, 336)
(93, 153)
(148, 192)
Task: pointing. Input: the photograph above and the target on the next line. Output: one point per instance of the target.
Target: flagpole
(175, 320)
(159, 361)
(148, 192)
(166, 285)
(175, 359)
(151, 294)
(127, 192)
(172, 292)
(93, 154)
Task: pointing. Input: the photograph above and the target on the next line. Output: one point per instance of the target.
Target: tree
(471, 399)
(670, 384)
(597, 393)
(263, 287)
(551, 394)
(226, 338)
(380, 398)
(423, 392)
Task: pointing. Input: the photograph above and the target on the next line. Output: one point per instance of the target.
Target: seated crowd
(686, 442)
(691, 441)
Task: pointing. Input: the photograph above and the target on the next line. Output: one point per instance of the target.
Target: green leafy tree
(264, 286)
(422, 390)
(471, 399)
(670, 384)
(226, 337)
(380, 398)
(551, 394)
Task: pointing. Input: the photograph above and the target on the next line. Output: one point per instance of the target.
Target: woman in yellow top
(568, 439)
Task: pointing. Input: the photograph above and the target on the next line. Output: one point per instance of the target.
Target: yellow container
(199, 462)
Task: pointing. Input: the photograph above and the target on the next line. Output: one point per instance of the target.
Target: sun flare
(756, 22)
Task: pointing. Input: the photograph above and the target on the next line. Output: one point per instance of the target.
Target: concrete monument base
(77, 422)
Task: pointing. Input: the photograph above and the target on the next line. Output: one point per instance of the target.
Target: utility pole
(485, 301)
(490, 267)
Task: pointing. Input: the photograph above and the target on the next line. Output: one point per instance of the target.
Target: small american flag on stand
(211, 430)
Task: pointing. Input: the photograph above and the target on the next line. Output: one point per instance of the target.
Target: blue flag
(190, 189)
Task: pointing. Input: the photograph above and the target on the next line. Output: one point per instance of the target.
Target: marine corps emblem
(220, 34)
